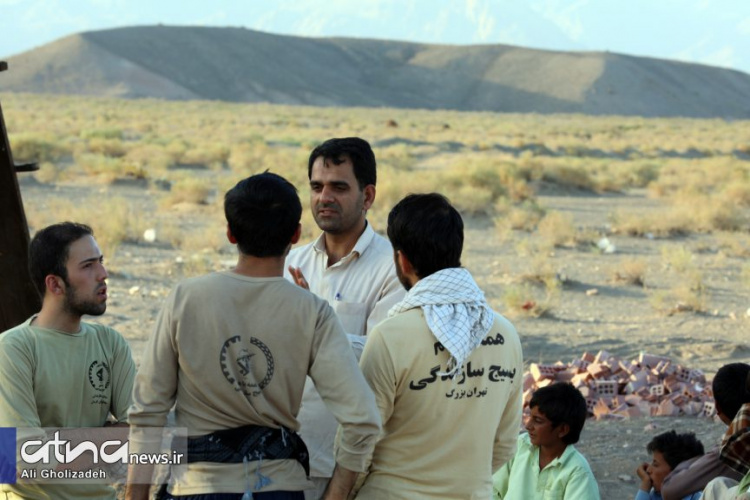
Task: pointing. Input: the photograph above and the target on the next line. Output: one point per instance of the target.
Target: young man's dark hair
(263, 212)
(356, 149)
(731, 387)
(429, 231)
(49, 250)
(562, 403)
(676, 448)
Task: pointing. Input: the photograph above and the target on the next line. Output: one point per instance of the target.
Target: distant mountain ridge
(235, 64)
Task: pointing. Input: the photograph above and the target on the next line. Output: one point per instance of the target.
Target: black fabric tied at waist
(251, 442)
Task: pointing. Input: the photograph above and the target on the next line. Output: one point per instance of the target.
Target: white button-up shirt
(361, 288)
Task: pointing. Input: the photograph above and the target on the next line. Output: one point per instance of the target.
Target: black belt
(251, 442)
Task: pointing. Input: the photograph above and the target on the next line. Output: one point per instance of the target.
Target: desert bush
(667, 222)
(737, 193)
(33, 147)
(631, 272)
(213, 155)
(189, 190)
(745, 274)
(683, 297)
(114, 148)
(114, 222)
(526, 299)
(568, 176)
(519, 217)
(95, 164)
(103, 133)
(556, 229)
(48, 173)
(734, 244)
(677, 258)
(149, 157)
(717, 214)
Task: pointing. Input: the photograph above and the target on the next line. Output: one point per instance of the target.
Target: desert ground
(625, 264)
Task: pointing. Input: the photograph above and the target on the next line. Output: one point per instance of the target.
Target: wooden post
(18, 296)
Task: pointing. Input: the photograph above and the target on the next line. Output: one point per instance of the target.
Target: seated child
(694, 474)
(546, 464)
(735, 447)
(667, 451)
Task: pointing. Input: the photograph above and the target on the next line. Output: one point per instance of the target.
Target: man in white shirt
(349, 265)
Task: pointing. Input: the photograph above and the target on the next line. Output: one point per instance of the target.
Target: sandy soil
(619, 318)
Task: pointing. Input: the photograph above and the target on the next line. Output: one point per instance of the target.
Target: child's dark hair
(562, 403)
(676, 448)
(731, 387)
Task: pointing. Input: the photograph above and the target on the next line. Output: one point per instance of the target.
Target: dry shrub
(683, 297)
(213, 155)
(631, 272)
(48, 173)
(113, 222)
(33, 147)
(528, 300)
(473, 189)
(557, 229)
(104, 167)
(114, 148)
(734, 244)
(737, 193)
(718, 214)
(102, 133)
(189, 190)
(677, 258)
(149, 157)
(518, 217)
(564, 175)
(669, 222)
(745, 275)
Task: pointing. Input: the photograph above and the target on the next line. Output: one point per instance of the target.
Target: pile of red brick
(646, 386)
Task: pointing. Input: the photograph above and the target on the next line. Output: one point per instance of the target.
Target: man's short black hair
(429, 231)
(357, 150)
(263, 212)
(731, 387)
(562, 403)
(49, 251)
(676, 448)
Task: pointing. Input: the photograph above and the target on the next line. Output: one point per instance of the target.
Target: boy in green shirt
(546, 464)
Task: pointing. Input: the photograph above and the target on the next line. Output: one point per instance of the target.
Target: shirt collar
(359, 248)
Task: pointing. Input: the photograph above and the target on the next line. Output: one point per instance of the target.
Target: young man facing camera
(55, 369)
(349, 265)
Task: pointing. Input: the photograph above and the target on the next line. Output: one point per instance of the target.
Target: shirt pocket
(353, 316)
(556, 492)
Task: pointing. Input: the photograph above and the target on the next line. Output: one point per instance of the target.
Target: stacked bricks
(614, 389)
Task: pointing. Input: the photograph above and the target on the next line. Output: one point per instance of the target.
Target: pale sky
(715, 32)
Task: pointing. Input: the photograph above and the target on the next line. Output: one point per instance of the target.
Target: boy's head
(263, 214)
(731, 388)
(668, 450)
(558, 413)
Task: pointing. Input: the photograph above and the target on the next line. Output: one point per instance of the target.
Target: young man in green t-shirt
(57, 370)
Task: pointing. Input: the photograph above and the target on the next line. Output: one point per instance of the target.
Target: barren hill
(235, 64)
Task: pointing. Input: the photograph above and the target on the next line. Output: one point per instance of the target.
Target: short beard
(76, 307)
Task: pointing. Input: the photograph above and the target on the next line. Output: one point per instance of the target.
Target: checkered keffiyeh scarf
(455, 310)
(735, 447)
